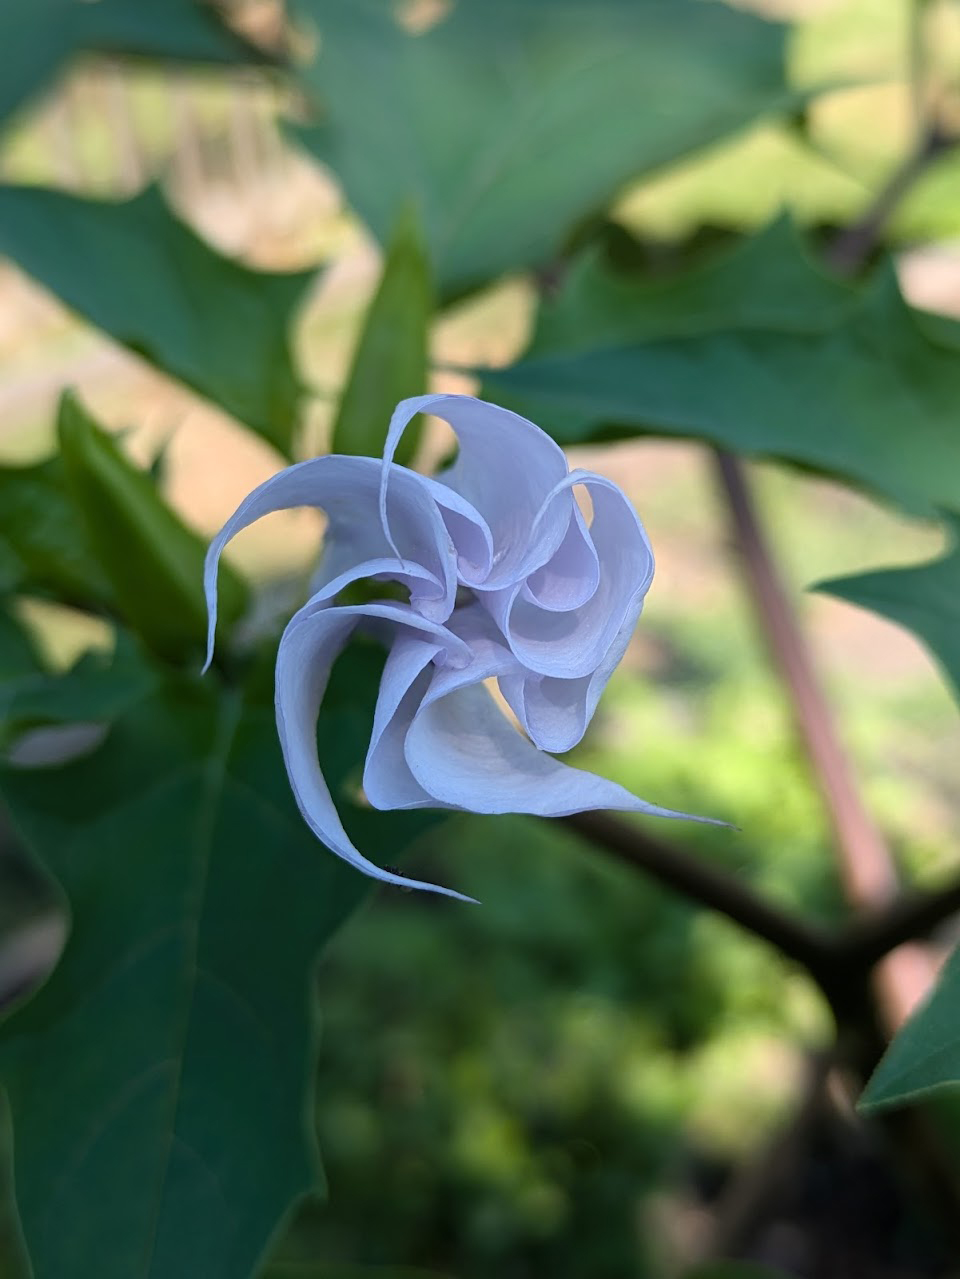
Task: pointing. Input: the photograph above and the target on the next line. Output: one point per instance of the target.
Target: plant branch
(851, 248)
(915, 915)
(866, 867)
(709, 886)
(868, 873)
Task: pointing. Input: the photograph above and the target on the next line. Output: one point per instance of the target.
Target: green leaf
(759, 354)
(159, 1081)
(390, 361)
(153, 562)
(924, 598)
(20, 663)
(508, 121)
(924, 1057)
(14, 1263)
(38, 36)
(43, 545)
(316, 1270)
(98, 688)
(136, 271)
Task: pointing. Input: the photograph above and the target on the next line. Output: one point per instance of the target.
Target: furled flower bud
(507, 580)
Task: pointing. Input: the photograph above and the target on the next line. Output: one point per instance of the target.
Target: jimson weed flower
(507, 579)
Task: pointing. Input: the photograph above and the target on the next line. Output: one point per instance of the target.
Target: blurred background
(587, 1076)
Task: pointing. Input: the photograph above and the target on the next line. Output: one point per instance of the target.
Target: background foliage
(262, 228)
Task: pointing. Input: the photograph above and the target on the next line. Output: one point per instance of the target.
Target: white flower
(506, 580)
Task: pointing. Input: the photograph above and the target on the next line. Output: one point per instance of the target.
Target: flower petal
(346, 488)
(387, 779)
(311, 642)
(572, 574)
(556, 712)
(466, 754)
(573, 643)
(505, 470)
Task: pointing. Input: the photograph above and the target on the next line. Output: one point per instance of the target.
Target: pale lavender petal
(506, 468)
(470, 640)
(311, 642)
(469, 533)
(387, 780)
(572, 574)
(571, 644)
(346, 488)
(556, 712)
(466, 754)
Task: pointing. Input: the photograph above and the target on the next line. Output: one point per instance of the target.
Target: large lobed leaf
(159, 1081)
(38, 36)
(760, 354)
(136, 271)
(924, 1058)
(925, 598)
(509, 120)
(154, 563)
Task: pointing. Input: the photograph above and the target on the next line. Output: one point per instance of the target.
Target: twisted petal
(420, 553)
(310, 644)
(574, 641)
(556, 712)
(505, 471)
(465, 753)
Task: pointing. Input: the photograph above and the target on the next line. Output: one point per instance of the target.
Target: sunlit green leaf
(153, 562)
(390, 361)
(925, 1056)
(159, 1081)
(761, 355)
(38, 36)
(509, 120)
(136, 271)
(924, 598)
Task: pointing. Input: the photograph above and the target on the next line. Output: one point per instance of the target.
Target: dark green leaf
(734, 1270)
(43, 544)
(159, 1080)
(20, 663)
(140, 274)
(761, 355)
(390, 361)
(14, 1263)
(316, 1270)
(153, 562)
(924, 598)
(509, 120)
(925, 1055)
(38, 36)
(18, 653)
(99, 688)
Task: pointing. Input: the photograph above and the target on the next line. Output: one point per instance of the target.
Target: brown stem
(867, 870)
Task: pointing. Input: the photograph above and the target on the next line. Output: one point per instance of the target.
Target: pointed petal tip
(398, 881)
